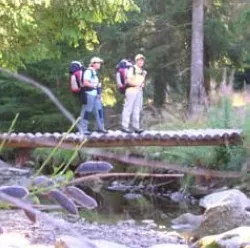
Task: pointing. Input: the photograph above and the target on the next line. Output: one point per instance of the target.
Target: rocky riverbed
(126, 232)
(225, 213)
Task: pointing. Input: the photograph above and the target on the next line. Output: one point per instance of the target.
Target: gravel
(126, 232)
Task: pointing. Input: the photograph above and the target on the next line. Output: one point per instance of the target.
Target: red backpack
(76, 71)
(121, 71)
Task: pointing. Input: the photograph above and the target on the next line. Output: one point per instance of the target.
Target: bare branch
(123, 175)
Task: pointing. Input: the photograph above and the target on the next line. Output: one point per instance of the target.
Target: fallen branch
(44, 89)
(145, 163)
(122, 175)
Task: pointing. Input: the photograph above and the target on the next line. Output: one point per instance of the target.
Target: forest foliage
(40, 38)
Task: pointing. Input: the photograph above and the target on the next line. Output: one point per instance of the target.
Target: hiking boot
(86, 132)
(138, 130)
(126, 130)
(102, 130)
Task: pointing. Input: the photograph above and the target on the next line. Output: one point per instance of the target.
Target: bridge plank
(199, 137)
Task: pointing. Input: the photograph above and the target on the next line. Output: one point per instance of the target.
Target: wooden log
(122, 176)
(132, 161)
(206, 137)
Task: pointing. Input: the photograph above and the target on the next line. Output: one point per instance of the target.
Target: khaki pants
(132, 109)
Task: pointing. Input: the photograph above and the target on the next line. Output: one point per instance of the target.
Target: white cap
(96, 60)
(139, 56)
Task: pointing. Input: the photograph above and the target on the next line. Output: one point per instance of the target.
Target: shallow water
(113, 207)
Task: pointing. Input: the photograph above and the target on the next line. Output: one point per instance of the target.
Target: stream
(114, 206)
(136, 218)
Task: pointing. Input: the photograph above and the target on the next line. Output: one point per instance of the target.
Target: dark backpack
(121, 71)
(76, 71)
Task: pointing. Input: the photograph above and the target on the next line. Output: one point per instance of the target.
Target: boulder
(236, 238)
(224, 211)
(218, 197)
(229, 214)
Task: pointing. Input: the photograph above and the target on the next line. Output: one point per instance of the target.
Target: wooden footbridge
(189, 137)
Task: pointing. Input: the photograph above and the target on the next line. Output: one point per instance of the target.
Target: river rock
(229, 214)
(14, 176)
(236, 238)
(177, 196)
(218, 197)
(130, 222)
(132, 196)
(169, 246)
(17, 240)
(66, 241)
(13, 240)
(199, 190)
(106, 244)
(186, 222)
(149, 223)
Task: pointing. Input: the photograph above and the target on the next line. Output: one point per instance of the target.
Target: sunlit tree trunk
(197, 95)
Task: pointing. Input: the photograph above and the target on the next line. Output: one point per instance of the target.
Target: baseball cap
(139, 56)
(96, 60)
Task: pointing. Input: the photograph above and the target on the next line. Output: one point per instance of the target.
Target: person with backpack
(92, 93)
(121, 74)
(135, 81)
(75, 76)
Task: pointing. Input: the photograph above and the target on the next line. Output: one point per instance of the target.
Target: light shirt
(91, 76)
(137, 76)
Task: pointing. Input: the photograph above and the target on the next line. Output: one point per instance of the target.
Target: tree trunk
(160, 89)
(197, 95)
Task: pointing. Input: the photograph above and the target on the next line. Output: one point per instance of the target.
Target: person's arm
(144, 80)
(118, 79)
(87, 79)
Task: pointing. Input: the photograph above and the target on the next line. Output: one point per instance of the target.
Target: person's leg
(85, 114)
(137, 112)
(128, 109)
(99, 114)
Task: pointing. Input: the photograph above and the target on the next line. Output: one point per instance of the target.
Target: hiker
(121, 74)
(134, 96)
(92, 94)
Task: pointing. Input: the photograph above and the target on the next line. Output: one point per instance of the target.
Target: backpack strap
(92, 76)
(143, 72)
(92, 72)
